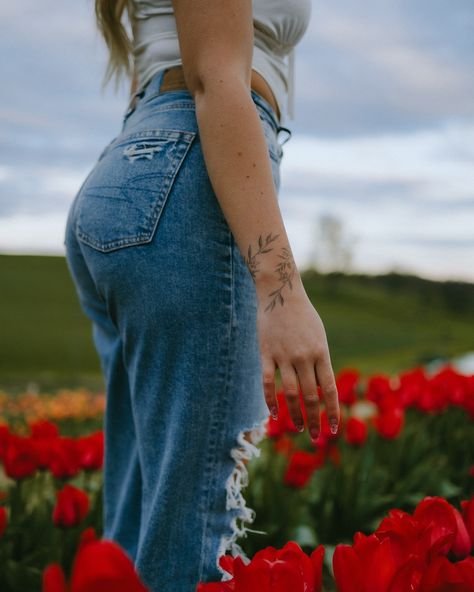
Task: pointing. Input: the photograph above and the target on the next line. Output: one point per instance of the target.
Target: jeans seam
(188, 102)
(210, 462)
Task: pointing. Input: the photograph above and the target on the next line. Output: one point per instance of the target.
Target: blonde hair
(109, 15)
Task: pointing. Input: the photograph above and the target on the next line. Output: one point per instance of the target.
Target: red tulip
(71, 507)
(272, 570)
(99, 566)
(20, 459)
(90, 451)
(356, 431)
(468, 517)
(408, 575)
(378, 385)
(346, 383)
(447, 521)
(103, 566)
(368, 566)
(411, 537)
(44, 429)
(448, 386)
(390, 422)
(408, 553)
(3, 520)
(4, 438)
(64, 458)
(54, 579)
(466, 568)
(301, 466)
(390, 401)
(443, 576)
(88, 535)
(44, 439)
(412, 384)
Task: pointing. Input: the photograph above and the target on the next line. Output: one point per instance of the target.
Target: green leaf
(448, 489)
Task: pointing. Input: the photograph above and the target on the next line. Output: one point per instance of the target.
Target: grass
(374, 323)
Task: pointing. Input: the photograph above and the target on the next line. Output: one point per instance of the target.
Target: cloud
(37, 190)
(26, 233)
(403, 199)
(430, 165)
(376, 67)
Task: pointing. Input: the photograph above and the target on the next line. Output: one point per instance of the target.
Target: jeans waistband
(152, 87)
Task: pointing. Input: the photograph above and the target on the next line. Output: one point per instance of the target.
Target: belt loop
(282, 128)
(133, 101)
(154, 83)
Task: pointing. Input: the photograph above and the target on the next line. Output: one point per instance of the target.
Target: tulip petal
(54, 579)
(347, 569)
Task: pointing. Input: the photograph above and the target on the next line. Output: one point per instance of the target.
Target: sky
(377, 176)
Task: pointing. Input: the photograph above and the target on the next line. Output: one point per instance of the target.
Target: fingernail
(314, 434)
(333, 427)
(274, 412)
(300, 428)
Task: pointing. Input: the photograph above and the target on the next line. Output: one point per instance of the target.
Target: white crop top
(278, 27)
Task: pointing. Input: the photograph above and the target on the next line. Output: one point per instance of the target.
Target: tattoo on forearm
(263, 247)
(285, 270)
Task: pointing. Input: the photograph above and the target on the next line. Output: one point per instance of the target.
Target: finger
(290, 388)
(268, 367)
(327, 382)
(307, 379)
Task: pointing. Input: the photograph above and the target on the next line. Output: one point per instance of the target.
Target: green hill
(381, 323)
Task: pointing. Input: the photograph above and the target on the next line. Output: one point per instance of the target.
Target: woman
(180, 257)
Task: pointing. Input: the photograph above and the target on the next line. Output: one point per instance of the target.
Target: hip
(122, 199)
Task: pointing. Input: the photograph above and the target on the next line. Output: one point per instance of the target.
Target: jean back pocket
(122, 200)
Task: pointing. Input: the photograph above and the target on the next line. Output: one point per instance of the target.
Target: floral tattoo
(252, 262)
(285, 269)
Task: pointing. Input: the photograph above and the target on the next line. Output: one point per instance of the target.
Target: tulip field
(384, 505)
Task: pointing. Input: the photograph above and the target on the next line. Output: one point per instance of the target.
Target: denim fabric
(173, 311)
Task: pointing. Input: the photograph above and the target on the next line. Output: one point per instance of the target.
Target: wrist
(278, 285)
(273, 269)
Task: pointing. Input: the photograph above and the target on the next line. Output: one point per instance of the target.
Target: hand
(292, 337)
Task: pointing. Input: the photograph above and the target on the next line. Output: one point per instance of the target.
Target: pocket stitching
(155, 134)
(142, 238)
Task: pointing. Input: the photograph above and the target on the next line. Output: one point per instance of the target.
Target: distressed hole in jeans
(144, 149)
(238, 479)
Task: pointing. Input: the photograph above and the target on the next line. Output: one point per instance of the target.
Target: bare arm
(217, 67)
(216, 43)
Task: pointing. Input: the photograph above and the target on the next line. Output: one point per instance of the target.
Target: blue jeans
(173, 310)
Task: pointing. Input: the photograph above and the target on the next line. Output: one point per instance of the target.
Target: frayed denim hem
(236, 481)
